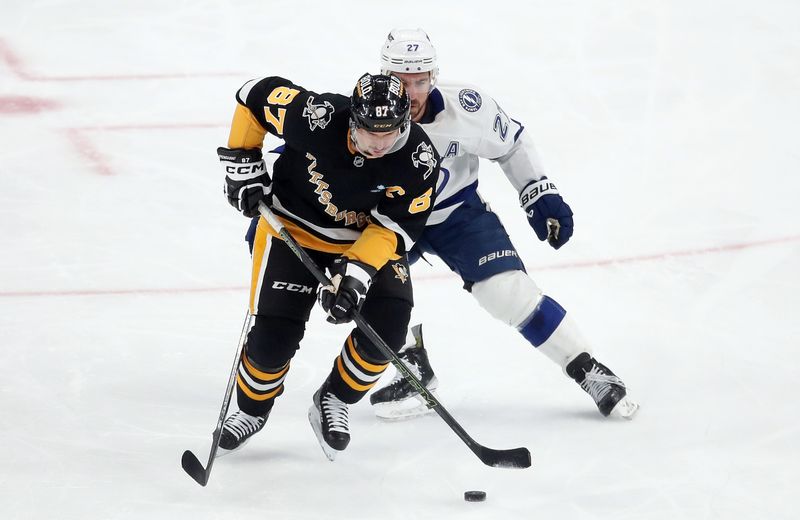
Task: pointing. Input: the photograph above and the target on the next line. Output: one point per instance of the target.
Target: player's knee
(510, 297)
(273, 340)
(543, 321)
(390, 319)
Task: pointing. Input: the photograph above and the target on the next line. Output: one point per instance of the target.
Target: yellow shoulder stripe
(246, 131)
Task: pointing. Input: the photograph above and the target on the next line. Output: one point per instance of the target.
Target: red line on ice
(17, 66)
(151, 126)
(134, 77)
(86, 148)
(119, 292)
(572, 265)
(11, 60)
(668, 254)
(99, 161)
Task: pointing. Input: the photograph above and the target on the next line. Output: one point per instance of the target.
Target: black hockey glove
(548, 214)
(246, 179)
(350, 281)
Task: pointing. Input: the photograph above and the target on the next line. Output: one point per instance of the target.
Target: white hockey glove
(246, 179)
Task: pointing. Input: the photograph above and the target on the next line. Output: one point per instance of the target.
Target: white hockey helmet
(409, 51)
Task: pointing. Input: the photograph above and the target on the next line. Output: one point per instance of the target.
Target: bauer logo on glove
(534, 191)
(548, 214)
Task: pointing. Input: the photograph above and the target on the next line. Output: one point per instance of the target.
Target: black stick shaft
(189, 461)
(512, 458)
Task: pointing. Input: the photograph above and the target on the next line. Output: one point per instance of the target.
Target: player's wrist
(535, 190)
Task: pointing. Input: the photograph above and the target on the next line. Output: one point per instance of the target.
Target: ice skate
(329, 419)
(398, 399)
(606, 389)
(238, 428)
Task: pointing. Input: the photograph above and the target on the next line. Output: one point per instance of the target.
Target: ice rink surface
(670, 127)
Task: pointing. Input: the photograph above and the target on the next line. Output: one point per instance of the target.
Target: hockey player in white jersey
(466, 124)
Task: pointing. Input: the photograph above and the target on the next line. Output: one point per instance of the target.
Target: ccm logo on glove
(247, 181)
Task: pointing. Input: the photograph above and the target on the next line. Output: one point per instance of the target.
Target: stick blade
(517, 458)
(194, 468)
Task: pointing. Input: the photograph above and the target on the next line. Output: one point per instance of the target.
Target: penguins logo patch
(423, 156)
(318, 115)
(470, 100)
(400, 272)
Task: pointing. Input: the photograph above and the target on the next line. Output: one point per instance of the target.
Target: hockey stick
(191, 464)
(512, 458)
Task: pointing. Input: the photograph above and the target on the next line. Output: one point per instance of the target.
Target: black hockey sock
(354, 372)
(257, 387)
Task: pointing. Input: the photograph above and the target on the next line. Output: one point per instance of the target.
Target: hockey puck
(474, 496)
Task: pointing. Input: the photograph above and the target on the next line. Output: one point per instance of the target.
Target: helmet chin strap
(354, 140)
(358, 147)
(402, 137)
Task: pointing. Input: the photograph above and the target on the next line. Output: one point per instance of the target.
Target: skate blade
(625, 409)
(408, 408)
(223, 452)
(316, 425)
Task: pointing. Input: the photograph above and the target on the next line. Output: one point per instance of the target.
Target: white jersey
(465, 124)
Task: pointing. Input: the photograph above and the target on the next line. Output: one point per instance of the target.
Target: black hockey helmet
(380, 103)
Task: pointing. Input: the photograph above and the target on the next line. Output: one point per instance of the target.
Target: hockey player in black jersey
(354, 184)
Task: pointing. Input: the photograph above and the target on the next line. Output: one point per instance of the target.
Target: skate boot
(607, 390)
(238, 428)
(398, 399)
(329, 419)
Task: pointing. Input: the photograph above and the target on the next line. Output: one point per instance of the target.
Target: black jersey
(329, 196)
